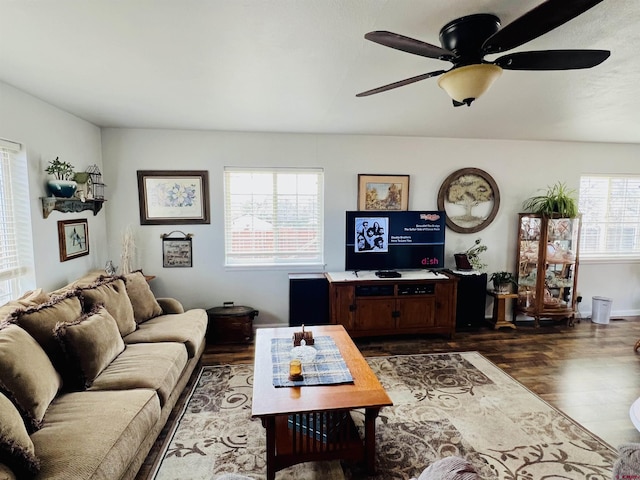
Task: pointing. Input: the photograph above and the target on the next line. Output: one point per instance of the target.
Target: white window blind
(16, 247)
(273, 216)
(610, 207)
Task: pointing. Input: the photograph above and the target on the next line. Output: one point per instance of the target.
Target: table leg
(370, 439)
(269, 423)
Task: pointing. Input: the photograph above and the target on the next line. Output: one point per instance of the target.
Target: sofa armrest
(170, 305)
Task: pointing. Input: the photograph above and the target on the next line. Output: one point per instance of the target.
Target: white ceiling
(296, 65)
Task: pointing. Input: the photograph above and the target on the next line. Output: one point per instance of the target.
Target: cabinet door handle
(352, 307)
(395, 314)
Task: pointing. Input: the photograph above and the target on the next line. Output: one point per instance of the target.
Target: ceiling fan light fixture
(465, 84)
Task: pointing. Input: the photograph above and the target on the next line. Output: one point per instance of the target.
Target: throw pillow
(39, 322)
(34, 297)
(16, 448)
(27, 376)
(112, 293)
(145, 305)
(628, 464)
(90, 344)
(450, 468)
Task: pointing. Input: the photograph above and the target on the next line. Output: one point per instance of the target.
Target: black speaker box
(308, 299)
(471, 301)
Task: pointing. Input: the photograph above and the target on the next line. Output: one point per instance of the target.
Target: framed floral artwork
(73, 238)
(173, 197)
(383, 192)
(471, 199)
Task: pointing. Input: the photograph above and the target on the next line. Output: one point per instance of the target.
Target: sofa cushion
(111, 293)
(155, 365)
(29, 299)
(16, 448)
(90, 344)
(86, 280)
(27, 376)
(34, 297)
(39, 322)
(94, 435)
(188, 328)
(145, 305)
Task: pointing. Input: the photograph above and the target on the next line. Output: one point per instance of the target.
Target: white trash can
(601, 309)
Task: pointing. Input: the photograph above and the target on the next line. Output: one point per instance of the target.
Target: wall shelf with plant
(66, 205)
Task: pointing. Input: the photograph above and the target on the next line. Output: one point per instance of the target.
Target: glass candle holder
(295, 370)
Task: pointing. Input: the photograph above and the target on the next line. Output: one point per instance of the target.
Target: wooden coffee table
(317, 406)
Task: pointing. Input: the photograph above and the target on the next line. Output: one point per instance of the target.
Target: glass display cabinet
(547, 267)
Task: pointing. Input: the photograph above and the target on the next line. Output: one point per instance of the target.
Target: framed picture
(176, 252)
(471, 199)
(73, 238)
(383, 192)
(171, 197)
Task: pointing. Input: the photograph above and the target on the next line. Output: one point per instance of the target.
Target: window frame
(600, 256)
(277, 262)
(15, 213)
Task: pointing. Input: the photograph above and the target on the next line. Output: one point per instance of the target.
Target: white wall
(519, 168)
(47, 132)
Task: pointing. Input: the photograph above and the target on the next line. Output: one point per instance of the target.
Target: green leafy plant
(59, 169)
(558, 199)
(500, 278)
(473, 254)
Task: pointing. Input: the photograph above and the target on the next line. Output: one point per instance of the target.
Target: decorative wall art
(471, 198)
(73, 239)
(173, 197)
(176, 249)
(383, 192)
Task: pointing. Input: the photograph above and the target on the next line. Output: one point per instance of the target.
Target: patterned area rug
(444, 404)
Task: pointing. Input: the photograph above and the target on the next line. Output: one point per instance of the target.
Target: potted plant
(62, 184)
(502, 281)
(558, 200)
(470, 258)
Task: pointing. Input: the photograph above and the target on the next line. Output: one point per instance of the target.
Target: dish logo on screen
(429, 216)
(429, 261)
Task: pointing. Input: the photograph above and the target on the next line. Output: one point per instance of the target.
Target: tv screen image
(394, 240)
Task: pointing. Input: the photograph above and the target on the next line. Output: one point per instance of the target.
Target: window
(16, 246)
(273, 216)
(610, 207)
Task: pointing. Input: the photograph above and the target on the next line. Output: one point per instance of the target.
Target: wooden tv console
(418, 302)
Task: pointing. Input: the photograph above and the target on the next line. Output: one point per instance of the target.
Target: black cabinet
(471, 301)
(308, 299)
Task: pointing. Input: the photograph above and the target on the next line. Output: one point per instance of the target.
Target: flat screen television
(394, 240)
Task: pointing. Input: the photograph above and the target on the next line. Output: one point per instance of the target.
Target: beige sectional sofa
(89, 375)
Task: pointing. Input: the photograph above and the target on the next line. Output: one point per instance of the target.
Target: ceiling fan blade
(542, 19)
(553, 59)
(401, 83)
(409, 45)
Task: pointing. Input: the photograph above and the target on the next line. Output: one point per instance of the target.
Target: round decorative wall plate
(470, 198)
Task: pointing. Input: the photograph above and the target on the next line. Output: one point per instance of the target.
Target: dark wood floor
(588, 371)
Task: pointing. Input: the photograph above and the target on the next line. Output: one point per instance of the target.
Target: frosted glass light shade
(465, 84)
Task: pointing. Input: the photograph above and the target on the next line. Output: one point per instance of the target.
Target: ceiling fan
(466, 40)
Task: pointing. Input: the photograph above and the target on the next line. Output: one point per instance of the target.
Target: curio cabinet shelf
(547, 262)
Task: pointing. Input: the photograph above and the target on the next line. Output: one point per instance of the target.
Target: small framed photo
(73, 238)
(383, 192)
(177, 252)
(173, 197)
